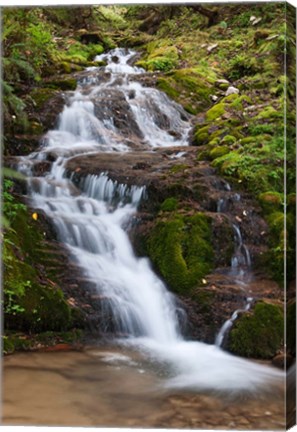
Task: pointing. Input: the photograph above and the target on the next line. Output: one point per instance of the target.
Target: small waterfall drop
(91, 221)
(240, 269)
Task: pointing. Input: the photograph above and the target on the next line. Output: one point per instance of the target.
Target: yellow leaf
(35, 216)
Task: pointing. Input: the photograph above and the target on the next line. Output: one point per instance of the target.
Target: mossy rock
(42, 95)
(169, 205)
(167, 85)
(215, 112)
(218, 152)
(19, 341)
(271, 201)
(247, 140)
(228, 139)
(231, 98)
(269, 113)
(31, 302)
(201, 135)
(68, 67)
(258, 333)
(164, 58)
(181, 251)
(62, 84)
(187, 87)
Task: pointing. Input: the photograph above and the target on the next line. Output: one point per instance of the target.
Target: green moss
(269, 112)
(42, 95)
(192, 82)
(259, 333)
(167, 85)
(201, 135)
(169, 205)
(278, 237)
(180, 248)
(228, 139)
(258, 129)
(161, 63)
(163, 58)
(247, 140)
(63, 84)
(218, 152)
(187, 86)
(81, 53)
(231, 98)
(215, 112)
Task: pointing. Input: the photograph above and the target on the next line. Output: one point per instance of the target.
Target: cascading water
(91, 220)
(240, 269)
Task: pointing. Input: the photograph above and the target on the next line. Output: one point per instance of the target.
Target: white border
(10, 3)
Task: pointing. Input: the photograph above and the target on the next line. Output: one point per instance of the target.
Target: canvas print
(148, 223)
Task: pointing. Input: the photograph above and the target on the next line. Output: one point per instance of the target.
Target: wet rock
(112, 104)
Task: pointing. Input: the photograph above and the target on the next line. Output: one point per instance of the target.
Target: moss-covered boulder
(32, 302)
(218, 151)
(258, 333)
(215, 112)
(189, 87)
(181, 251)
(162, 59)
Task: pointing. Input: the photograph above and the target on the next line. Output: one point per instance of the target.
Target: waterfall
(240, 268)
(91, 221)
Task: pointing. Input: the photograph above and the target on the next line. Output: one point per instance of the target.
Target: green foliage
(258, 334)
(258, 129)
(242, 65)
(180, 248)
(10, 206)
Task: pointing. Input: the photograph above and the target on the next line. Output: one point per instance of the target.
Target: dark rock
(282, 361)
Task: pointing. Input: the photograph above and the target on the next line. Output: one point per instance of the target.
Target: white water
(92, 221)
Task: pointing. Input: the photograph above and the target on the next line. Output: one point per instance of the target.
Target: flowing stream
(92, 221)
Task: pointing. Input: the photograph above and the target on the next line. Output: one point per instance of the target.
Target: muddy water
(115, 387)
